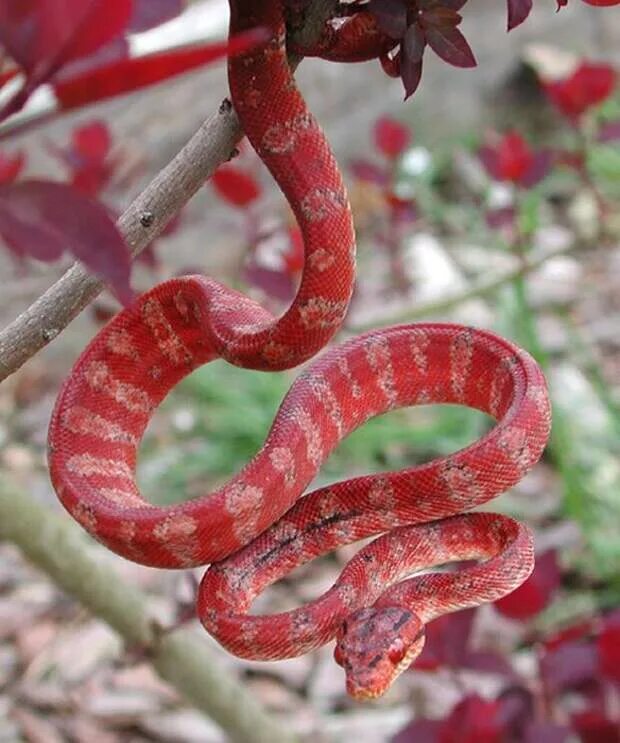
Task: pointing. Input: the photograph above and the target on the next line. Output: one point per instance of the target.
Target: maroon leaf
(473, 720)
(235, 185)
(391, 65)
(609, 131)
(391, 137)
(538, 170)
(536, 593)
(454, 4)
(275, 283)
(546, 732)
(501, 218)
(391, 16)
(516, 710)
(364, 170)
(450, 44)
(518, 11)
(150, 13)
(447, 639)
(571, 665)
(419, 731)
(486, 661)
(43, 219)
(411, 73)
(414, 44)
(41, 35)
(11, 166)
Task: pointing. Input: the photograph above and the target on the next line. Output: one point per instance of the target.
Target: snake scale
(258, 527)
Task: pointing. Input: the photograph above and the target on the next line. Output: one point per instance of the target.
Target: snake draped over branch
(259, 526)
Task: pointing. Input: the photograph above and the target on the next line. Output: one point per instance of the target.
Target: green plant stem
(561, 441)
(445, 304)
(56, 546)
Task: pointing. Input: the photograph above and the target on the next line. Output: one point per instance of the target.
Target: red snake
(106, 403)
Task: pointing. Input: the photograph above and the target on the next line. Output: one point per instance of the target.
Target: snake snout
(375, 645)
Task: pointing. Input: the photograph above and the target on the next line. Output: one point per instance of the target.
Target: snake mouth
(362, 693)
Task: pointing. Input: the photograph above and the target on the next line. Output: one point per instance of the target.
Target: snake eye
(338, 657)
(397, 651)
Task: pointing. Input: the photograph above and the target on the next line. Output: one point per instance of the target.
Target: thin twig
(439, 306)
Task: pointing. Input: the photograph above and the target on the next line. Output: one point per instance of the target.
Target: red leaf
(594, 727)
(609, 646)
(235, 185)
(589, 85)
(602, 3)
(7, 75)
(536, 593)
(113, 52)
(123, 76)
(364, 170)
(512, 159)
(11, 166)
(150, 13)
(450, 44)
(92, 141)
(42, 219)
(41, 35)
(518, 11)
(572, 632)
(391, 137)
(87, 157)
(402, 211)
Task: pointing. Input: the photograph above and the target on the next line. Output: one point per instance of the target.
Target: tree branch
(58, 547)
(140, 224)
(144, 219)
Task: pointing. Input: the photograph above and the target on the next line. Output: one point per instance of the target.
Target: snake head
(375, 645)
